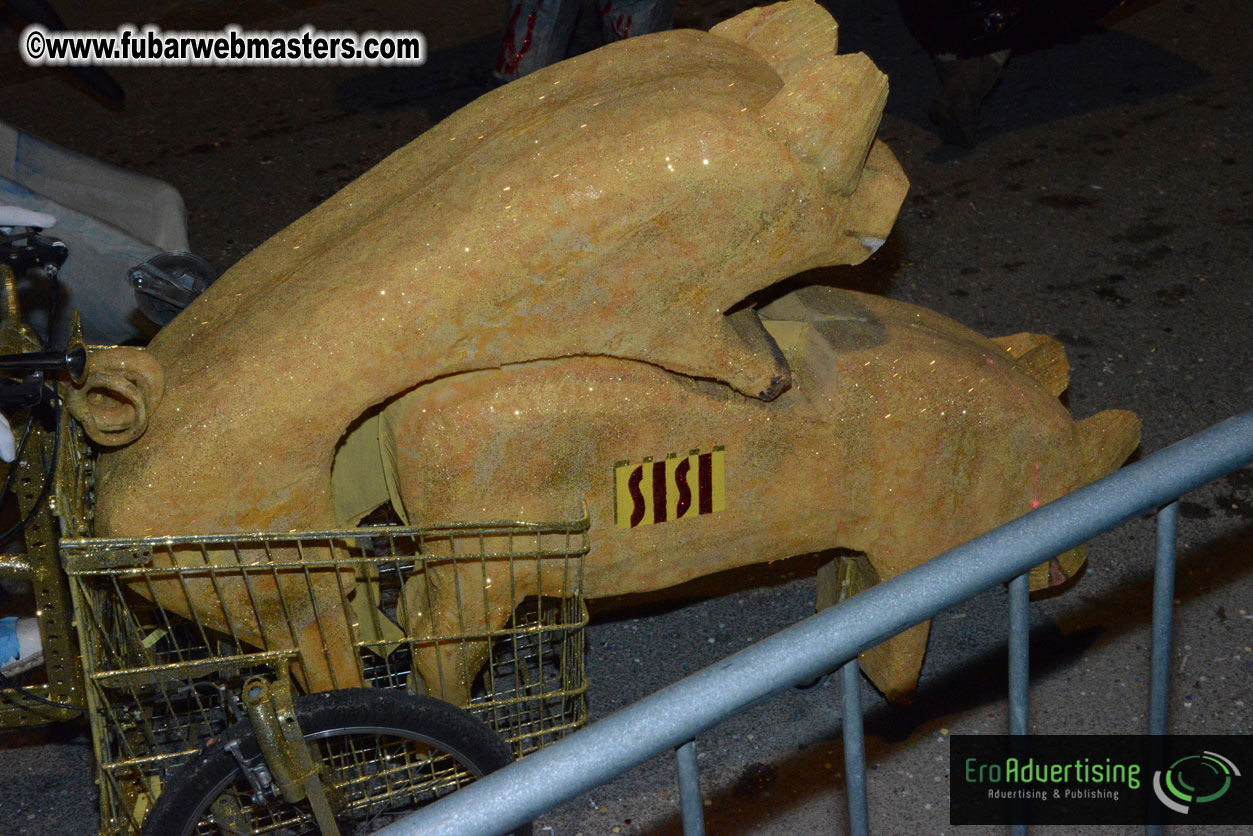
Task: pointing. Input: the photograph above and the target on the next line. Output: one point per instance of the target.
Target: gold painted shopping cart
(187, 715)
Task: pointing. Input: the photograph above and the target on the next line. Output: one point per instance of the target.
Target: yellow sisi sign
(673, 488)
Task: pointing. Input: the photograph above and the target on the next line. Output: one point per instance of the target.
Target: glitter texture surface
(539, 286)
(904, 434)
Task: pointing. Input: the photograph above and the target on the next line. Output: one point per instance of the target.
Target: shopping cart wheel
(382, 754)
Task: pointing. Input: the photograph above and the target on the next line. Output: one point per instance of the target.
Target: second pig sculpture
(548, 289)
(903, 435)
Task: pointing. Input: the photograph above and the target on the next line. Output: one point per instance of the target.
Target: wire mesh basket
(170, 628)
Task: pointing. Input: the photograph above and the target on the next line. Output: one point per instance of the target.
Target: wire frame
(376, 777)
(163, 680)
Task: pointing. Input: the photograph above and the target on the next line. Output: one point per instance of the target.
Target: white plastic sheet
(109, 218)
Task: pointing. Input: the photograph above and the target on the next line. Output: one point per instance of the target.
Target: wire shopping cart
(163, 690)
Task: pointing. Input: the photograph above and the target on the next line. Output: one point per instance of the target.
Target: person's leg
(621, 19)
(537, 33)
(967, 82)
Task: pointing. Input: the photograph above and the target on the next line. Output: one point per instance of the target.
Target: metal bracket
(273, 714)
(83, 562)
(256, 772)
(53, 603)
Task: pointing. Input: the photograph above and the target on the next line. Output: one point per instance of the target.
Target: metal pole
(521, 791)
(1019, 670)
(1163, 610)
(854, 750)
(690, 801)
(1019, 648)
(1163, 603)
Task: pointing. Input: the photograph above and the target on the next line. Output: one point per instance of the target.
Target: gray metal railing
(675, 715)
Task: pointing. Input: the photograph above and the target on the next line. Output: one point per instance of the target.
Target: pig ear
(829, 108)
(787, 35)
(828, 113)
(119, 390)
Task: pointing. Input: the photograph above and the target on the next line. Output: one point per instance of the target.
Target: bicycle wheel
(382, 755)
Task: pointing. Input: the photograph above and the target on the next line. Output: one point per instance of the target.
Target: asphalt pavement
(1108, 204)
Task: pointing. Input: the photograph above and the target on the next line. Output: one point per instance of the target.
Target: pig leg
(428, 615)
(272, 605)
(894, 665)
(328, 657)
(469, 600)
(307, 608)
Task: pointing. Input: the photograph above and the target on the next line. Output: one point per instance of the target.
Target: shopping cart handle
(72, 359)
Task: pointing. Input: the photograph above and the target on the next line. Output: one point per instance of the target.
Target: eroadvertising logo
(1211, 772)
(1099, 779)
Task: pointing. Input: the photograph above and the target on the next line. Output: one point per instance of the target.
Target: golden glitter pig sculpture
(903, 435)
(577, 246)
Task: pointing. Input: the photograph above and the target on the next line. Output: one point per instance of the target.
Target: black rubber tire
(394, 724)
